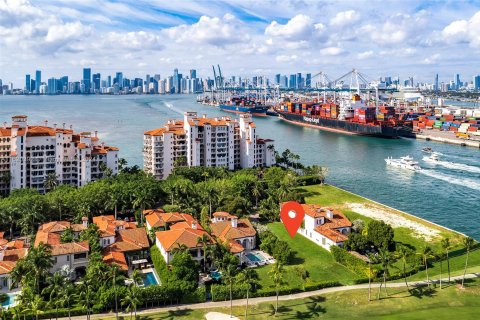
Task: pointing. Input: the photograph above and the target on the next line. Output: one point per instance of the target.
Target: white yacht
(406, 162)
(432, 158)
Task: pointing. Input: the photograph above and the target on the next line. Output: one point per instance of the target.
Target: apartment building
(209, 142)
(29, 154)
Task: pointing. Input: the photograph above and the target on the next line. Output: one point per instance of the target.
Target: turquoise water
(255, 257)
(10, 301)
(216, 275)
(447, 195)
(149, 279)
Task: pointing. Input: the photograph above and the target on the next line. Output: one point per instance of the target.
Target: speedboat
(427, 150)
(406, 162)
(434, 157)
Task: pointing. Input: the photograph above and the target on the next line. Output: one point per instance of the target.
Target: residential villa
(10, 253)
(123, 243)
(325, 226)
(238, 234)
(74, 254)
(182, 230)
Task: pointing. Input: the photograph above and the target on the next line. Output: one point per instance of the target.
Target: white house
(10, 253)
(183, 233)
(239, 234)
(324, 226)
(74, 255)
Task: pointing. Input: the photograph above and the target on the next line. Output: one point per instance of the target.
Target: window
(323, 241)
(54, 259)
(80, 256)
(68, 258)
(5, 282)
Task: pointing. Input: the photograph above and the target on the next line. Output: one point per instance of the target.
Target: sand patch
(396, 221)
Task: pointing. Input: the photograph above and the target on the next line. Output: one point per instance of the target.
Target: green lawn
(317, 261)
(449, 303)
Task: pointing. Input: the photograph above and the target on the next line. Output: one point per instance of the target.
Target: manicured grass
(317, 261)
(327, 195)
(449, 303)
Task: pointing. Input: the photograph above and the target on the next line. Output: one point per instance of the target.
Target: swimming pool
(216, 275)
(10, 302)
(255, 257)
(150, 279)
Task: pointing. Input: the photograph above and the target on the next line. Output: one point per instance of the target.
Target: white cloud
(214, 31)
(467, 31)
(300, 27)
(132, 40)
(365, 54)
(432, 59)
(332, 51)
(286, 58)
(345, 18)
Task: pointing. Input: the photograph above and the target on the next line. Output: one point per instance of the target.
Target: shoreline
(465, 143)
(400, 212)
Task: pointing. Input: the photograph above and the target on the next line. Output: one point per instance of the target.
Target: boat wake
(450, 179)
(456, 166)
(170, 106)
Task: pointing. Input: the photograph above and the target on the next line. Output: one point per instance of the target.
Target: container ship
(244, 105)
(351, 117)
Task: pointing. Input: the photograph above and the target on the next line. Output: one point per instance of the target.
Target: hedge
(308, 180)
(221, 292)
(200, 295)
(267, 292)
(351, 262)
(159, 263)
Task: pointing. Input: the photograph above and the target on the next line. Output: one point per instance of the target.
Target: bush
(221, 292)
(198, 296)
(308, 180)
(353, 263)
(3, 297)
(356, 242)
(278, 249)
(159, 263)
(380, 235)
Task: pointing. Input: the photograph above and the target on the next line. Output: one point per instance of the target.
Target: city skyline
(417, 38)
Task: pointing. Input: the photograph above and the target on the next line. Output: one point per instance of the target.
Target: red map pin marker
(292, 215)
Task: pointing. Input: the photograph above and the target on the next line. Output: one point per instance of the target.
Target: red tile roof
(185, 236)
(70, 248)
(110, 257)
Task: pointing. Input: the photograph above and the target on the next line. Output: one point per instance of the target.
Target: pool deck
(267, 259)
(152, 270)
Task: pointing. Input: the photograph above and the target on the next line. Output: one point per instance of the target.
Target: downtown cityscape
(239, 159)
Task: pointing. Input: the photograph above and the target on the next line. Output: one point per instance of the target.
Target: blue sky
(405, 38)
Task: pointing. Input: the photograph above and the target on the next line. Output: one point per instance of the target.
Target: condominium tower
(30, 154)
(209, 142)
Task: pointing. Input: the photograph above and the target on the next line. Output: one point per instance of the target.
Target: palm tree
(230, 270)
(426, 254)
(179, 248)
(68, 296)
(204, 240)
(36, 305)
(404, 254)
(38, 264)
(371, 273)
(131, 300)
(467, 243)
(276, 274)
(51, 181)
(250, 277)
(54, 289)
(446, 247)
(386, 260)
(137, 276)
(85, 290)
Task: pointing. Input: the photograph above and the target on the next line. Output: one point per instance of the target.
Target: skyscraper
(87, 79)
(109, 81)
(292, 84)
(119, 79)
(52, 86)
(277, 78)
(96, 82)
(193, 74)
(476, 82)
(458, 83)
(436, 83)
(27, 83)
(299, 81)
(308, 80)
(38, 81)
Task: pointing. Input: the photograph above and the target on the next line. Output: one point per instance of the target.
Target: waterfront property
(183, 233)
(29, 154)
(73, 254)
(10, 253)
(238, 234)
(209, 142)
(325, 226)
(123, 243)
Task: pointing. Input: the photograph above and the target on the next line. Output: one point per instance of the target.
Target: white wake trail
(454, 165)
(450, 179)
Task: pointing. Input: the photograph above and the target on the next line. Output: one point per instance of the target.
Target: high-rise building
(38, 81)
(292, 83)
(284, 82)
(435, 86)
(87, 79)
(27, 83)
(476, 82)
(277, 78)
(299, 81)
(109, 81)
(308, 80)
(96, 82)
(34, 152)
(458, 83)
(52, 86)
(193, 74)
(63, 84)
(119, 79)
(214, 142)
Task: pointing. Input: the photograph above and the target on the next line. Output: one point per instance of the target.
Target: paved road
(241, 302)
